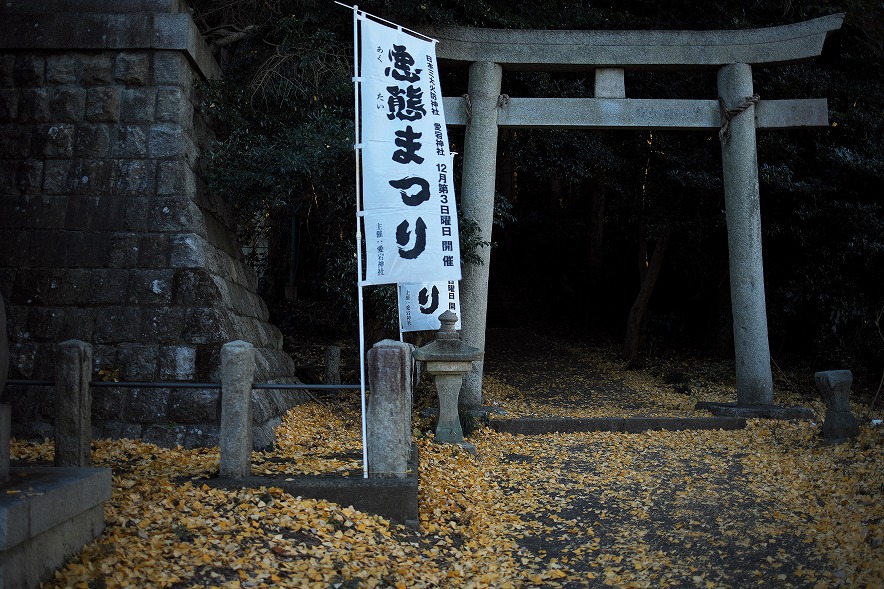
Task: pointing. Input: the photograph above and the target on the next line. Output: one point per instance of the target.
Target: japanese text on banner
(420, 305)
(408, 195)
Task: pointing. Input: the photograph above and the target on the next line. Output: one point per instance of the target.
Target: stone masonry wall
(107, 231)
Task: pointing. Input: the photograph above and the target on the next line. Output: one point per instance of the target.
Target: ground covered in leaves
(768, 506)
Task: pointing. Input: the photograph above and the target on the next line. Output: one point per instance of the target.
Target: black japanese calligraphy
(407, 141)
(402, 62)
(429, 301)
(422, 195)
(405, 105)
(403, 238)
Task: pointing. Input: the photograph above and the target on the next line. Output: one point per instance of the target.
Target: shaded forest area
(581, 212)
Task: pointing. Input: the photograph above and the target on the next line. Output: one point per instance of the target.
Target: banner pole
(390, 23)
(357, 148)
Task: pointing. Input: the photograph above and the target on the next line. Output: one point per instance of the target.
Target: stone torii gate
(737, 111)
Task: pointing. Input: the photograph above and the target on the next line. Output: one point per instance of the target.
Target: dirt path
(660, 509)
(653, 512)
(548, 369)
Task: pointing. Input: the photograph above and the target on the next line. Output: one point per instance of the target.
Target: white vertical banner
(408, 204)
(420, 305)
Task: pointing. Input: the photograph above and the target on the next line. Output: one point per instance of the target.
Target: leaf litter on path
(768, 506)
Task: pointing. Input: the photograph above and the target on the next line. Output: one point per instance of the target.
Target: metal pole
(357, 147)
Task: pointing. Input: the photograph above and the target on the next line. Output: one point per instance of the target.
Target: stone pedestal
(448, 379)
(834, 387)
(388, 415)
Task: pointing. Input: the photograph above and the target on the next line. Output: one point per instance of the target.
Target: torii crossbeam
(609, 53)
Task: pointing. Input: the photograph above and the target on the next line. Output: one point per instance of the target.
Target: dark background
(577, 208)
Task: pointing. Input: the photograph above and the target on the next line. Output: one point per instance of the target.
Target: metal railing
(188, 385)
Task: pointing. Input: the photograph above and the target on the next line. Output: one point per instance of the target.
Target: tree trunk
(592, 282)
(595, 231)
(649, 272)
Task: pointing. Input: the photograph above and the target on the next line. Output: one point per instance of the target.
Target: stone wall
(107, 231)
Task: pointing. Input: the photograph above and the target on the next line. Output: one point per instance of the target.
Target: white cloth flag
(408, 191)
(421, 304)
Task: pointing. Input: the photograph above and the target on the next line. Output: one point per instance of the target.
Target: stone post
(332, 365)
(743, 213)
(73, 403)
(5, 410)
(388, 415)
(4, 346)
(5, 432)
(237, 378)
(477, 200)
(834, 387)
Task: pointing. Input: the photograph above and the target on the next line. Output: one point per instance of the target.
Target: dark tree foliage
(286, 110)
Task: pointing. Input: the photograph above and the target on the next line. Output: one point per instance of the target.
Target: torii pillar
(479, 171)
(739, 157)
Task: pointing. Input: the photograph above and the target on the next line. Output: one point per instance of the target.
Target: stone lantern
(447, 359)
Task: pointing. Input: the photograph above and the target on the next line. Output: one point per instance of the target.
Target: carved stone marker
(388, 416)
(834, 386)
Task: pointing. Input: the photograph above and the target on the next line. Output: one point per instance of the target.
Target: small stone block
(138, 105)
(61, 69)
(103, 105)
(834, 387)
(8, 105)
(97, 69)
(609, 83)
(7, 69)
(30, 70)
(166, 140)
